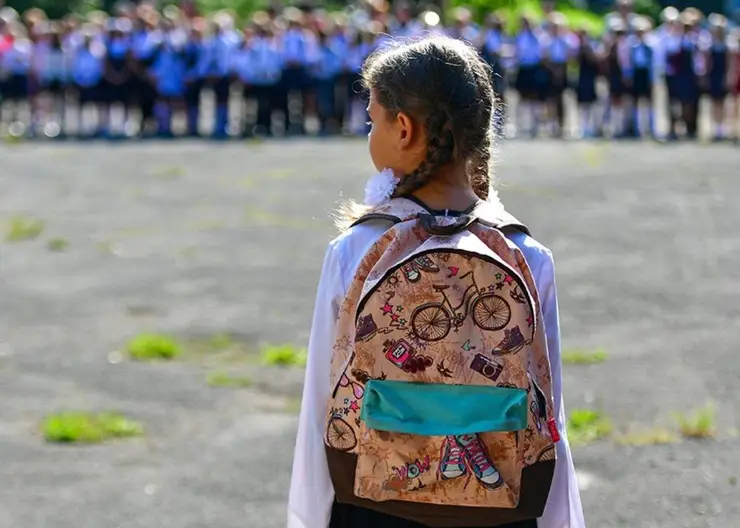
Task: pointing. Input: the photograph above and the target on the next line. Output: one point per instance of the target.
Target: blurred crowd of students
(284, 67)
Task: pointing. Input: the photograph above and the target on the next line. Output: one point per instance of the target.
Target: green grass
(698, 424)
(226, 380)
(584, 357)
(587, 425)
(284, 355)
(83, 427)
(649, 437)
(148, 347)
(21, 228)
(57, 244)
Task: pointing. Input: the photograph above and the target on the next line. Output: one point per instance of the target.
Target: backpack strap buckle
(431, 226)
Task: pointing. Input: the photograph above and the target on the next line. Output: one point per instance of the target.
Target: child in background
(326, 67)
(531, 78)
(558, 52)
(193, 80)
(639, 79)
(589, 60)
(617, 58)
(169, 76)
(88, 65)
(15, 69)
(718, 51)
(118, 76)
(431, 106)
(51, 69)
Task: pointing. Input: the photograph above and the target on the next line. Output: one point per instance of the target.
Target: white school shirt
(311, 492)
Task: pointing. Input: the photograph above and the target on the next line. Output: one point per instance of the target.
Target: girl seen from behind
(432, 106)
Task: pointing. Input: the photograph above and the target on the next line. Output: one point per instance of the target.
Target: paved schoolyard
(198, 239)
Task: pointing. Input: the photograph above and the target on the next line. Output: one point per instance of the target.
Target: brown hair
(445, 85)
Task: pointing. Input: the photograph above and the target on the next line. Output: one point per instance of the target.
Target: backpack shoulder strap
(494, 216)
(400, 210)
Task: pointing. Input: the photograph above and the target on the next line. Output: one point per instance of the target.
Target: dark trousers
(326, 102)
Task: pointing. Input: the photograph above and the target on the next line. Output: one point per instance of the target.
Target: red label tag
(553, 430)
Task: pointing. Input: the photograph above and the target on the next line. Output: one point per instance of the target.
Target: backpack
(442, 409)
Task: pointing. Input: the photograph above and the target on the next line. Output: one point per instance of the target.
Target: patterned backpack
(442, 409)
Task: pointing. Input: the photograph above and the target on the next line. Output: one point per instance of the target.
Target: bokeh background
(156, 290)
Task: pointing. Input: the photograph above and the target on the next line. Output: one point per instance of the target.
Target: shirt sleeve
(311, 491)
(563, 509)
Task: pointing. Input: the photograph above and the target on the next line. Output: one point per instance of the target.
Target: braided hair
(443, 84)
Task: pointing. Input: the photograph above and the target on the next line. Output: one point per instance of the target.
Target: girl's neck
(441, 195)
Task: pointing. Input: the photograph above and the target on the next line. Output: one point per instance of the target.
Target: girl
(531, 78)
(431, 106)
(557, 56)
(15, 70)
(326, 66)
(588, 71)
(168, 73)
(718, 60)
(87, 73)
(51, 65)
(118, 75)
(640, 79)
(615, 66)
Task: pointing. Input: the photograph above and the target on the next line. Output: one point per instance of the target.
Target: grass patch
(21, 228)
(699, 423)
(284, 355)
(226, 380)
(584, 357)
(587, 425)
(82, 427)
(57, 244)
(645, 438)
(148, 347)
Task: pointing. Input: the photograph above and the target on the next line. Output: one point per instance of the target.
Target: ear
(407, 130)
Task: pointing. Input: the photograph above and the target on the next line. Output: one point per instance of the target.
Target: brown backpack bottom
(535, 488)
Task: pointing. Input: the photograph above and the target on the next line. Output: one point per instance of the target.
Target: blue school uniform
(295, 51)
(15, 66)
(718, 59)
(265, 70)
(170, 67)
(325, 69)
(588, 72)
(117, 86)
(88, 66)
(687, 85)
(558, 54)
(640, 70)
(531, 78)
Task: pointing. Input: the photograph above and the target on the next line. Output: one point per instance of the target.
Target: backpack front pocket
(441, 444)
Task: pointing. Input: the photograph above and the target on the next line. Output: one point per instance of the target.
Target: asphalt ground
(198, 239)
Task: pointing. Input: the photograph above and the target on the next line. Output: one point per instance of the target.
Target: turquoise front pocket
(435, 409)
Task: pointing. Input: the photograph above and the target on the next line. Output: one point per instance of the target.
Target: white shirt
(311, 491)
